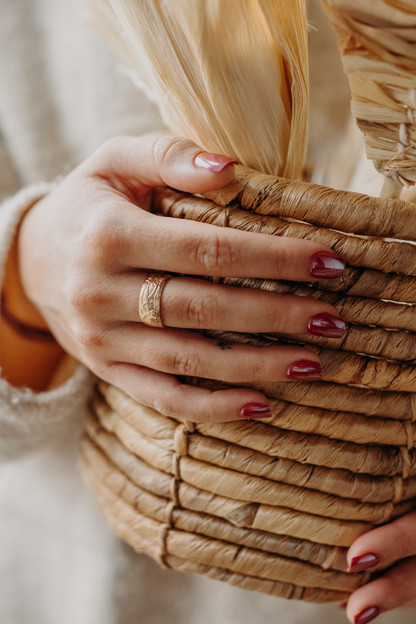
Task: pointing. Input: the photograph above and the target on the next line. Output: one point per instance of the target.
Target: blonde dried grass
(222, 72)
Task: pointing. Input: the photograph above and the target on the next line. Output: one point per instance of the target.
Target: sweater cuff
(28, 419)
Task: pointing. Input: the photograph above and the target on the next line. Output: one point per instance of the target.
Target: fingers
(386, 544)
(377, 550)
(198, 304)
(135, 238)
(159, 243)
(396, 588)
(145, 162)
(167, 395)
(185, 353)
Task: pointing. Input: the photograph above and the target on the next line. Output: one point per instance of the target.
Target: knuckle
(187, 363)
(403, 537)
(282, 258)
(86, 298)
(282, 319)
(112, 147)
(166, 149)
(89, 334)
(202, 312)
(259, 369)
(213, 254)
(104, 241)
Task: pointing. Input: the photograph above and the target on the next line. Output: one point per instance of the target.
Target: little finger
(166, 394)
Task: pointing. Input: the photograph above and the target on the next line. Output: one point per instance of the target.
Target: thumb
(152, 161)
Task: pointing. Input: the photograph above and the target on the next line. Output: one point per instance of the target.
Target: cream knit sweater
(61, 95)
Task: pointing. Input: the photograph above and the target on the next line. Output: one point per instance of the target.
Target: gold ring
(150, 298)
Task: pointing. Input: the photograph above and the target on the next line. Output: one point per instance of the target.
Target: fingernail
(256, 410)
(327, 265)
(343, 604)
(367, 615)
(304, 370)
(363, 562)
(213, 162)
(327, 325)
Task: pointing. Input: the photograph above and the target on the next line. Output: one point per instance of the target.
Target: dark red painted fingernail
(363, 562)
(304, 370)
(213, 162)
(327, 325)
(326, 265)
(343, 604)
(366, 615)
(255, 410)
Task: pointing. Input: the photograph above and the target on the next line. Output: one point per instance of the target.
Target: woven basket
(273, 506)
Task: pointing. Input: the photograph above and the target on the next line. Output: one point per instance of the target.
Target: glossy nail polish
(304, 370)
(367, 615)
(363, 562)
(327, 325)
(213, 162)
(343, 604)
(255, 411)
(326, 265)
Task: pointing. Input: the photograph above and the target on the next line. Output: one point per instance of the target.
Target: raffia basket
(273, 506)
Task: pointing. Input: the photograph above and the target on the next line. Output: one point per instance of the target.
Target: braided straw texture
(274, 505)
(377, 41)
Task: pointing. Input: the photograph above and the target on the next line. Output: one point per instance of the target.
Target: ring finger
(198, 304)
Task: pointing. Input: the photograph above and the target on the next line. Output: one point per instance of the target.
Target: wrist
(29, 353)
(18, 306)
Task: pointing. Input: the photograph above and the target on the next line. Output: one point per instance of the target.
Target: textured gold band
(150, 298)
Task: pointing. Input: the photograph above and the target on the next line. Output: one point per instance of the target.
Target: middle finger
(160, 243)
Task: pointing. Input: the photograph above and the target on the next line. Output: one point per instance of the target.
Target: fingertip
(238, 404)
(214, 163)
(255, 411)
(187, 167)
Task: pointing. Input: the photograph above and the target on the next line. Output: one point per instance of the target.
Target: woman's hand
(390, 546)
(86, 249)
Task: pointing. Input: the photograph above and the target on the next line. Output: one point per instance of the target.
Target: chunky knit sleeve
(29, 419)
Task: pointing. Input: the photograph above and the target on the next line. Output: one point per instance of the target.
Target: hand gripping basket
(273, 506)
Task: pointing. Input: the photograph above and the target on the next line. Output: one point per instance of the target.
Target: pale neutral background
(61, 95)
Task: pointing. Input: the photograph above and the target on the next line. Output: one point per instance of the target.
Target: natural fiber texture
(394, 405)
(377, 42)
(273, 506)
(144, 485)
(200, 524)
(221, 76)
(318, 205)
